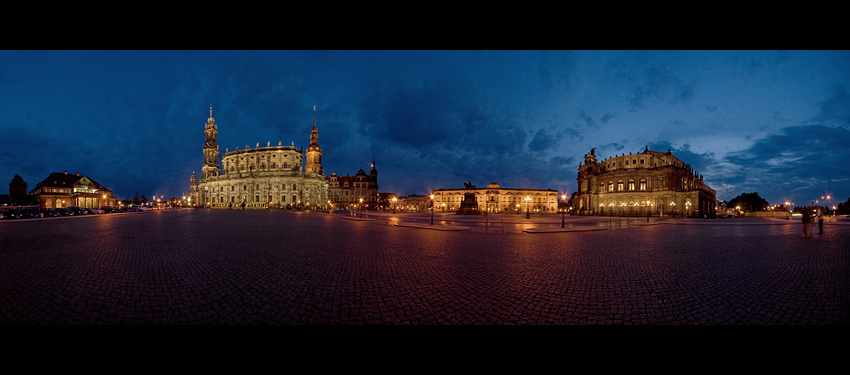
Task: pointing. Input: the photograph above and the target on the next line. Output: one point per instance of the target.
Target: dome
(494, 185)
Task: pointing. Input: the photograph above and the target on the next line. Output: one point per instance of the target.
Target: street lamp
(361, 207)
(432, 209)
(647, 210)
(394, 200)
(563, 210)
(527, 201)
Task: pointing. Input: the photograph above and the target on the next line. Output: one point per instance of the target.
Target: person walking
(819, 216)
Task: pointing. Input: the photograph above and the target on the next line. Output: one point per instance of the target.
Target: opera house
(649, 183)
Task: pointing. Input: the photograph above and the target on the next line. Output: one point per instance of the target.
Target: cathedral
(649, 183)
(261, 177)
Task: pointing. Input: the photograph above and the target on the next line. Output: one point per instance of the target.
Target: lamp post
(527, 201)
(361, 208)
(394, 200)
(432, 209)
(563, 210)
(647, 211)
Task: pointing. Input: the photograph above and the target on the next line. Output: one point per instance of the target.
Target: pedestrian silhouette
(819, 216)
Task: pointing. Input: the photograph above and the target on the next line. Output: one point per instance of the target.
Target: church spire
(314, 151)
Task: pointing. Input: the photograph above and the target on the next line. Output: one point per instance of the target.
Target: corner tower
(211, 154)
(313, 163)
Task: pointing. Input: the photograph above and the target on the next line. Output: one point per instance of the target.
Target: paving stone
(229, 267)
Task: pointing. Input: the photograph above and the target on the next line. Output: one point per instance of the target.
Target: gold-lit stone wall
(649, 183)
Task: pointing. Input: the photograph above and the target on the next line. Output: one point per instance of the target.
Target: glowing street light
(361, 207)
(647, 210)
(527, 201)
(394, 200)
(432, 209)
(563, 209)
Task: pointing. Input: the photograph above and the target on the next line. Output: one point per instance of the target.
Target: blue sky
(772, 122)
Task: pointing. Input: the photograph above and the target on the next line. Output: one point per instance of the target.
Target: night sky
(772, 122)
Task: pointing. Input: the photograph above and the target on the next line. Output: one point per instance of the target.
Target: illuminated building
(345, 192)
(649, 183)
(66, 190)
(496, 199)
(262, 177)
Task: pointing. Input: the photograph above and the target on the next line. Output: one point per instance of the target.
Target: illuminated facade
(262, 177)
(496, 199)
(63, 190)
(649, 183)
(345, 192)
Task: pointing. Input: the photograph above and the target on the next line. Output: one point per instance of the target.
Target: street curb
(433, 227)
(560, 230)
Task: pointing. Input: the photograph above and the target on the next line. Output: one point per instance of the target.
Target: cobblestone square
(256, 267)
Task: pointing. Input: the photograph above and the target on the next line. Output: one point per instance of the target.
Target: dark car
(29, 213)
(64, 212)
(49, 212)
(77, 210)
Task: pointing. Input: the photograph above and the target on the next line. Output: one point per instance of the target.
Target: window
(283, 187)
(610, 185)
(642, 184)
(631, 184)
(620, 185)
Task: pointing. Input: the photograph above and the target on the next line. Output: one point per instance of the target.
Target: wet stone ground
(252, 267)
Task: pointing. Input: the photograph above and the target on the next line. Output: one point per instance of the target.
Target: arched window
(642, 183)
(283, 187)
(620, 185)
(610, 185)
(631, 184)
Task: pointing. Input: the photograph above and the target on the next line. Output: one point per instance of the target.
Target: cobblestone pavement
(235, 267)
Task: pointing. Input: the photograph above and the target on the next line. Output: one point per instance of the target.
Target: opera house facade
(649, 183)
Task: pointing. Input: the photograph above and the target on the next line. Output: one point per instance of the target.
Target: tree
(748, 202)
(17, 188)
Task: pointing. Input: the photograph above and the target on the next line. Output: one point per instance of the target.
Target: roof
(63, 179)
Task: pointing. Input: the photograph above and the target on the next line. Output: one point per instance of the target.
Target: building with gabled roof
(61, 189)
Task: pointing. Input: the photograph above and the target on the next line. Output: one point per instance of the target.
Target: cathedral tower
(211, 154)
(313, 163)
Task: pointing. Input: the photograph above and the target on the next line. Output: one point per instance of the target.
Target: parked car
(77, 210)
(13, 213)
(64, 212)
(49, 212)
(3, 215)
(29, 213)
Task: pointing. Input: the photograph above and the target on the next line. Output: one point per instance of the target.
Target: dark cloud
(836, 107)
(659, 84)
(809, 159)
